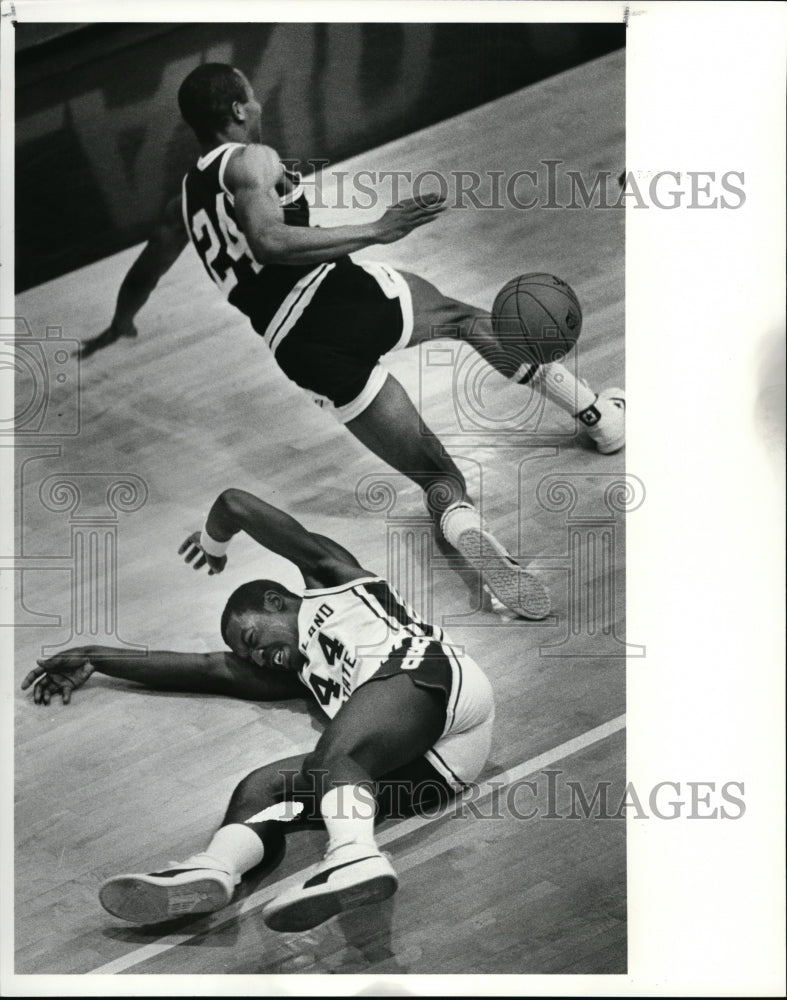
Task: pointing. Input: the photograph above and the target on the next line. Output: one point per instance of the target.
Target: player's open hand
(113, 332)
(407, 215)
(191, 550)
(61, 674)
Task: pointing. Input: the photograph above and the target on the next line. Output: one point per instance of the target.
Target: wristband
(212, 547)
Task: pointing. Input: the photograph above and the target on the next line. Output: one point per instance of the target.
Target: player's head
(260, 623)
(216, 96)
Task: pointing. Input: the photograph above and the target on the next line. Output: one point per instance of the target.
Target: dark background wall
(100, 144)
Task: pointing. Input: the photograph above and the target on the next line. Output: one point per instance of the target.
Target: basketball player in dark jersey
(410, 721)
(328, 320)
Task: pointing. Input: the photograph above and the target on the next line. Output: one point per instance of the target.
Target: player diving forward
(410, 717)
(328, 320)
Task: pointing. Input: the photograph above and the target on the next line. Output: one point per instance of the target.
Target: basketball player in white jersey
(328, 320)
(410, 721)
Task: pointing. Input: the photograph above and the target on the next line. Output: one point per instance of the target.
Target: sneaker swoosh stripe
(323, 877)
(171, 872)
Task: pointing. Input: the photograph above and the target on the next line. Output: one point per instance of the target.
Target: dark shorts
(356, 313)
(424, 661)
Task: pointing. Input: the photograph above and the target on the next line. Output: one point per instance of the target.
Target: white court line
(261, 896)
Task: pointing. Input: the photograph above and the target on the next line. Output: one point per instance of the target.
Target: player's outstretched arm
(161, 251)
(252, 176)
(323, 562)
(200, 673)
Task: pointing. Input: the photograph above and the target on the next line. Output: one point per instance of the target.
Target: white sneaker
(510, 583)
(349, 876)
(490, 604)
(165, 895)
(605, 420)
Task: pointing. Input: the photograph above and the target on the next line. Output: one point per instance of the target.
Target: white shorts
(462, 751)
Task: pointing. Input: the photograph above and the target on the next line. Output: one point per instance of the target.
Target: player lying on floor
(409, 715)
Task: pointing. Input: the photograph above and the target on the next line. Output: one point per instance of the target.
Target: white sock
(459, 518)
(234, 848)
(560, 387)
(348, 812)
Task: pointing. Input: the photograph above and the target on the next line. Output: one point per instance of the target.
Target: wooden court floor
(126, 780)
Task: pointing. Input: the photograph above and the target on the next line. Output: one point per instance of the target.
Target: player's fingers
(193, 551)
(433, 201)
(421, 220)
(201, 561)
(424, 198)
(426, 203)
(408, 206)
(32, 676)
(433, 209)
(193, 539)
(43, 690)
(422, 216)
(67, 689)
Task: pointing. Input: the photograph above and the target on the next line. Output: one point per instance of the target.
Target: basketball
(537, 318)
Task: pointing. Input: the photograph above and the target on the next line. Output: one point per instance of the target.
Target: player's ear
(273, 601)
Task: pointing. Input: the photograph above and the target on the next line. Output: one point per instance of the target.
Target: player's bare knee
(327, 754)
(335, 749)
(262, 785)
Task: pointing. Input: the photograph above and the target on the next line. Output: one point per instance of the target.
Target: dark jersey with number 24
(209, 215)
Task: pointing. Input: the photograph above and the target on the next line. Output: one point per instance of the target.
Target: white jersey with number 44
(346, 633)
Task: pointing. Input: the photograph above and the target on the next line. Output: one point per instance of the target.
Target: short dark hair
(250, 597)
(206, 96)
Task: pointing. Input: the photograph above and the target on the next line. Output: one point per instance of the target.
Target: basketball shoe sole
(160, 896)
(511, 584)
(337, 886)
